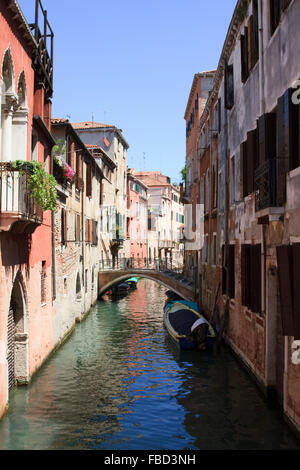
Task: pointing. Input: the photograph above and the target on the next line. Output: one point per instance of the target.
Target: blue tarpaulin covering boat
(186, 326)
(132, 282)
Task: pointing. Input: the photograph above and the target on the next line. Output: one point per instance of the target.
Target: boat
(132, 282)
(119, 290)
(187, 327)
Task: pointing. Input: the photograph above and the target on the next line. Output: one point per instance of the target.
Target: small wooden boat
(187, 327)
(118, 290)
(132, 282)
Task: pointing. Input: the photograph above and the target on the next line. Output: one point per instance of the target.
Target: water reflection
(118, 383)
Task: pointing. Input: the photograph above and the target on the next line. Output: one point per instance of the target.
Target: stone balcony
(19, 213)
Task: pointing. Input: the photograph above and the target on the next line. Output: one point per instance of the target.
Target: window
(208, 132)
(249, 161)
(229, 86)
(202, 142)
(215, 186)
(251, 277)
(228, 271)
(34, 145)
(232, 181)
(277, 7)
(214, 250)
(77, 227)
(63, 226)
(216, 117)
(207, 192)
(43, 283)
(288, 261)
(205, 249)
(89, 180)
(78, 287)
(94, 232)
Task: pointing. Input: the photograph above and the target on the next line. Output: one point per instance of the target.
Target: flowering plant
(67, 169)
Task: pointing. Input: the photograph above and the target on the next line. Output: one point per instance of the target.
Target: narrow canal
(118, 384)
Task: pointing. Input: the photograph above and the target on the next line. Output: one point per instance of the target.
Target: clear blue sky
(131, 63)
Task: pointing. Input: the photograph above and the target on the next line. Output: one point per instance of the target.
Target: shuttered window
(71, 153)
(94, 232)
(249, 161)
(244, 56)
(89, 180)
(228, 272)
(251, 277)
(287, 140)
(229, 86)
(285, 276)
(243, 167)
(77, 227)
(63, 226)
(277, 7)
(288, 261)
(267, 137)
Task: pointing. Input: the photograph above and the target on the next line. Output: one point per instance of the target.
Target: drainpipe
(82, 237)
(261, 59)
(261, 112)
(226, 181)
(53, 267)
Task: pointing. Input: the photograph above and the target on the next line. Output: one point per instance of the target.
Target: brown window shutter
(90, 231)
(285, 4)
(255, 35)
(63, 226)
(78, 227)
(284, 261)
(89, 180)
(224, 271)
(231, 271)
(78, 164)
(252, 150)
(71, 148)
(246, 275)
(296, 290)
(267, 137)
(294, 133)
(275, 12)
(229, 86)
(250, 42)
(244, 56)
(255, 282)
(284, 143)
(243, 274)
(243, 164)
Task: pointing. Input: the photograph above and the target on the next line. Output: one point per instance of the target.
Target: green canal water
(118, 384)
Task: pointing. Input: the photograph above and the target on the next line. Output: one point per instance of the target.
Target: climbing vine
(41, 185)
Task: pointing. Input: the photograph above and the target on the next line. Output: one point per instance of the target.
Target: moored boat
(187, 327)
(132, 282)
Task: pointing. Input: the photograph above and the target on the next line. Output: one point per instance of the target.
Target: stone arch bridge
(171, 280)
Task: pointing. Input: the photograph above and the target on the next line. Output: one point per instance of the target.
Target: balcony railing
(166, 244)
(265, 185)
(18, 210)
(43, 60)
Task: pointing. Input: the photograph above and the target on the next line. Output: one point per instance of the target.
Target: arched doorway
(17, 338)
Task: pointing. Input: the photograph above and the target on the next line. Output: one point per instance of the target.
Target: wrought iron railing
(15, 194)
(265, 185)
(157, 264)
(43, 59)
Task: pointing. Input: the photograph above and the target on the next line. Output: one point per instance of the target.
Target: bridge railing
(157, 264)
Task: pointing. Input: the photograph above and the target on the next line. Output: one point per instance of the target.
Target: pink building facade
(26, 311)
(137, 219)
